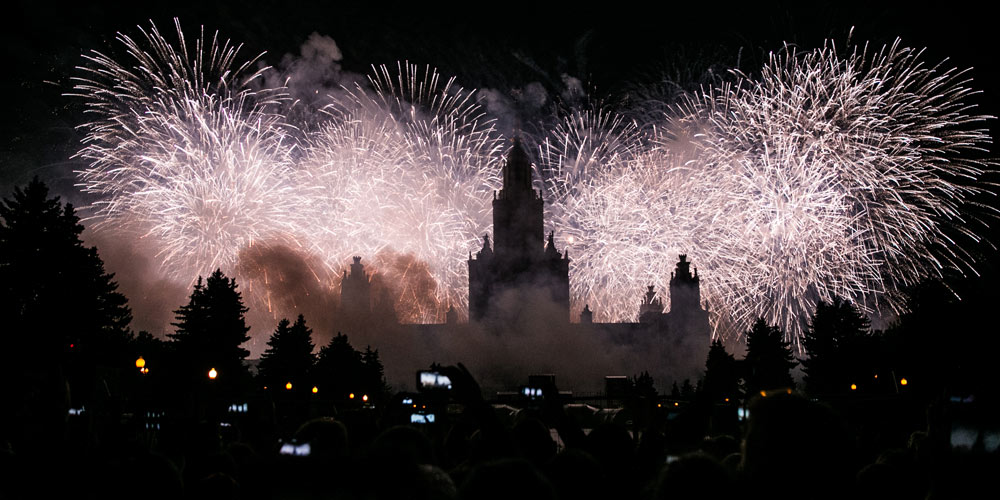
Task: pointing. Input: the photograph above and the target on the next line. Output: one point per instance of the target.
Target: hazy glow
(831, 173)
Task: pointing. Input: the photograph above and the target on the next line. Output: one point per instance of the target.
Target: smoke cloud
(152, 296)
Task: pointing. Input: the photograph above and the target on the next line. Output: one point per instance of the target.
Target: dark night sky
(493, 45)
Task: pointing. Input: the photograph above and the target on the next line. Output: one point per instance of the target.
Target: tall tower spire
(517, 174)
(519, 265)
(517, 215)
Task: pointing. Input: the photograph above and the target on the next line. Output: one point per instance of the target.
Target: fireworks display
(828, 173)
(183, 151)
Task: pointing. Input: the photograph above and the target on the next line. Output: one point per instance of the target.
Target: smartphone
(422, 418)
(294, 449)
(428, 380)
(973, 426)
(532, 392)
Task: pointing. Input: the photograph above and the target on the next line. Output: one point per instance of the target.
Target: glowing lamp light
(677, 404)
(763, 394)
(315, 389)
(658, 405)
(364, 398)
(854, 387)
(140, 363)
(288, 385)
(212, 374)
(903, 381)
(727, 400)
(351, 395)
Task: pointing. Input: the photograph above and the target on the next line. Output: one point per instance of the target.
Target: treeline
(68, 346)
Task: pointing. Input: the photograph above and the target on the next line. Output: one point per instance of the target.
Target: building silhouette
(519, 273)
(356, 291)
(519, 269)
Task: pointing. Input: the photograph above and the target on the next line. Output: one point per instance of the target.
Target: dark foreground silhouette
(454, 444)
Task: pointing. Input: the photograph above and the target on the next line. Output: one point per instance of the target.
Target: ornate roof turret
(517, 174)
(550, 248)
(487, 250)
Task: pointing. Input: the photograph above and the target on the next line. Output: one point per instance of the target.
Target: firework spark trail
(627, 205)
(183, 151)
(826, 175)
(848, 173)
(407, 165)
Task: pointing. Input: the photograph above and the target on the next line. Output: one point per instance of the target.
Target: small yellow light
(876, 376)
(854, 387)
(414, 405)
(903, 381)
(789, 391)
(763, 394)
(265, 387)
(658, 405)
(212, 374)
(364, 398)
(677, 404)
(288, 385)
(727, 400)
(144, 370)
(315, 389)
(351, 395)
(140, 363)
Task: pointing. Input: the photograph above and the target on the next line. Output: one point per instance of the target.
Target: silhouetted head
(534, 441)
(576, 474)
(403, 444)
(793, 444)
(327, 438)
(720, 447)
(610, 444)
(697, 476)
(505, 480)
(218, 486)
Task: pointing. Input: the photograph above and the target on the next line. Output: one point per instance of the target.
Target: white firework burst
(183, 151)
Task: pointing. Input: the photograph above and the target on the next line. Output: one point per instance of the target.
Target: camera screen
(296, 450)
(422, 418)
(434, 380)
(532, 392)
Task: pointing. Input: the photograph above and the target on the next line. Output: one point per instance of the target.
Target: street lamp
(141, 365)
(212, 374)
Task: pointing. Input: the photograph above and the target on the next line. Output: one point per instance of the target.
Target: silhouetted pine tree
(675, 393)
(289, 356)
(687, 390)
(63, 316)
(836, 343)
(339, 369)
(769, 359)
(643, 386)
(721, 374)
(211, 328)
(373, 379)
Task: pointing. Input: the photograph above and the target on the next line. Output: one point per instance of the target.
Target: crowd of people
(463, 448)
